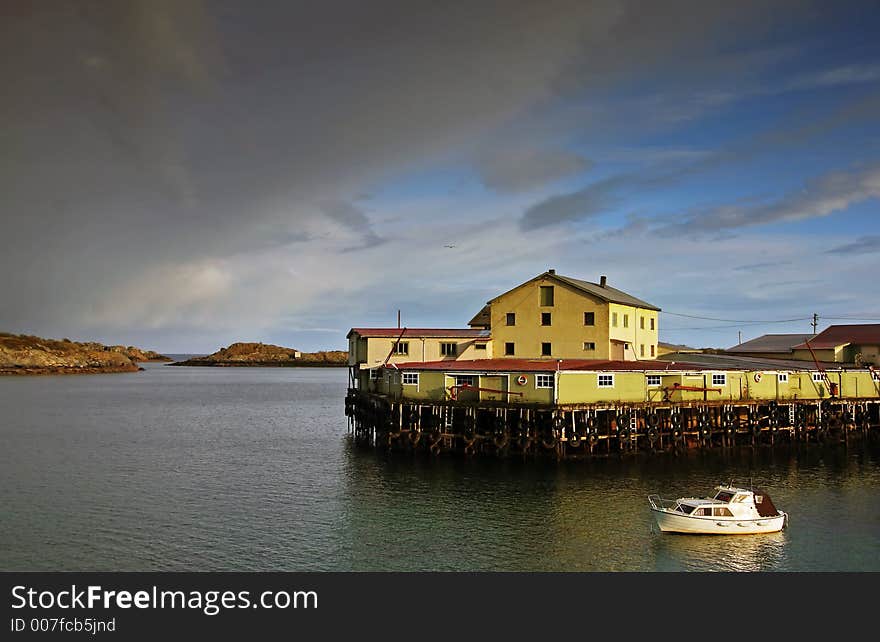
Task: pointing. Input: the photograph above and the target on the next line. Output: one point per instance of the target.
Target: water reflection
(675, 552)
(452, 514)
(251, 469)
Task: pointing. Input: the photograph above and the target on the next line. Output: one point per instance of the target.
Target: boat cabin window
(722, 511)
(738, 499)
(724, 496)
(706, 511)
(683, 508)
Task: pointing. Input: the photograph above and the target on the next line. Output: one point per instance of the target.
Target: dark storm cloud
(820, 196)
(160, 154)
(830, 189)
(353, 218)
(593, 200)
(863, 245)
(512, 170)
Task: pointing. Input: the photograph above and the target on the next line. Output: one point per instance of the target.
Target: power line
(693, 316)
(718, 327)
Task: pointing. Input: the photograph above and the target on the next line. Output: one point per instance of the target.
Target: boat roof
(702, 501)
(733, 489)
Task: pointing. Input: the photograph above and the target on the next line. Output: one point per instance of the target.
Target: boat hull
(671, 522)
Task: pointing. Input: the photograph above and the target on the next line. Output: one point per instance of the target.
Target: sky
(183, 175)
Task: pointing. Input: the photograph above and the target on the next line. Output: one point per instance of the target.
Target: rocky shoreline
(267, 355)
(23, 354)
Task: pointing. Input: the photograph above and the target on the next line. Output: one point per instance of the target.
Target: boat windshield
(684, 508)
(724, 496)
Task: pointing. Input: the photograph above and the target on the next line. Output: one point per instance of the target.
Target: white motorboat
(732, 511)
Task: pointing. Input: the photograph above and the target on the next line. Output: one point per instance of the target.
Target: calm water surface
(181, 468)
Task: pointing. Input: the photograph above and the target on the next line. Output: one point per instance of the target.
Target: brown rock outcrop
(26, 354)
(266, 354)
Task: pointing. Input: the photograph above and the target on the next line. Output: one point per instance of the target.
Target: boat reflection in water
(697, 553)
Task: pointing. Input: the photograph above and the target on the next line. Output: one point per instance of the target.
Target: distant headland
(265, 354)
(23, 354)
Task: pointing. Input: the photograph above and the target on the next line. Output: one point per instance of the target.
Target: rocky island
(27, 354)
(265, 354)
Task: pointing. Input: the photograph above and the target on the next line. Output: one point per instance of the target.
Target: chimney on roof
(552, 271)
(603, 280)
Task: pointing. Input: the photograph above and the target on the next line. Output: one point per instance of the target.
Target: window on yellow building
(543, 381)
(652, 323)
(480, 346)
(625, 320)
(546, 349)
(652, 349)
(545, 318)
(614, 319)
(642, 350)
(402, 347)
(589, 318)
(546, 295)
(511, 318)
(508, 349)
(448, 349)
(589, 345)
(642, 323)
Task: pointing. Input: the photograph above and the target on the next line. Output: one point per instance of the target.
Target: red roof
(838, 335)
(545, 365)
(463, 333)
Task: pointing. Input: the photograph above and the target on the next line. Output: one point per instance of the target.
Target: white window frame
(375, 374)
(399, 345)
(782, 377)
(545, 378)
(470, 380)
(404, 376)
(608, 381)
(818, 377)
(875, 375)
(722, 376)
(653, 381)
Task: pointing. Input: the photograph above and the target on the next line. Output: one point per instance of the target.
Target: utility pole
(815, 322)
(740, 333)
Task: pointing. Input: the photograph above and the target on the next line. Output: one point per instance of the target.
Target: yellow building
(370, 348)
(555, 316)
(857, 344)
(584, 382)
